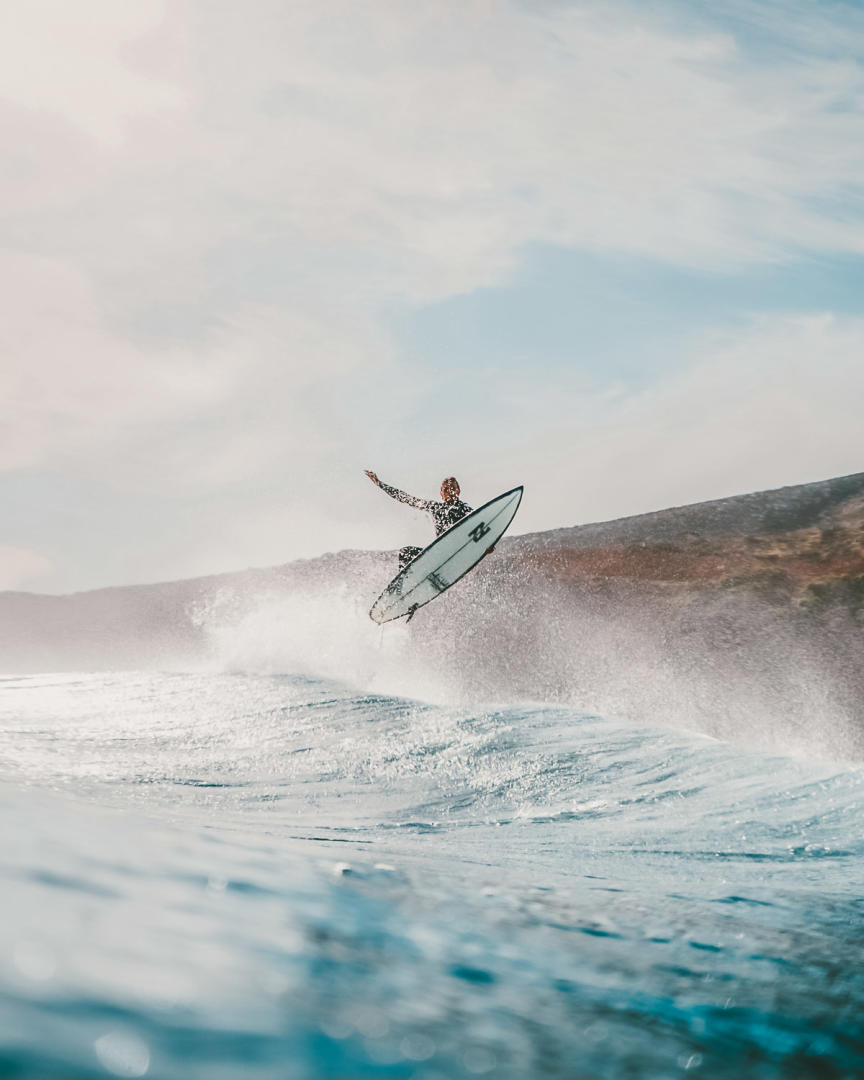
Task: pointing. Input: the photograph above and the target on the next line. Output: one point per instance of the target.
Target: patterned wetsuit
(444, 514)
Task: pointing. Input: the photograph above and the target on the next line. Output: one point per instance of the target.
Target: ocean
(331, 850)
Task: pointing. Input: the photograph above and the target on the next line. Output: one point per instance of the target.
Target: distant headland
(802, 544)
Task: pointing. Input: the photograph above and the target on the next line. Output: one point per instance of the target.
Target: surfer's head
(450, 489)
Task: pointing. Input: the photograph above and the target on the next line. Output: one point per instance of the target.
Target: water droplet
(122, 1053)
(336, 1027)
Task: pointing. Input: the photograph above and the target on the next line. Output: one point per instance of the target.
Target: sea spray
(726, 664)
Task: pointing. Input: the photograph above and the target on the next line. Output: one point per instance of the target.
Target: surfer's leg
(406, 554)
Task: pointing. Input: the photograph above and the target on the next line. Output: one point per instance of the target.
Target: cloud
(213, 215)
(414, 150)
(181, 416)
(73, 388)
(20, 566)
(69, 59)
(776, 403)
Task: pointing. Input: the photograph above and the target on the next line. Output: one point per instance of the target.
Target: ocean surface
(267, 870)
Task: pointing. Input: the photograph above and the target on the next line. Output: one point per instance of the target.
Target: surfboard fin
(411, 611)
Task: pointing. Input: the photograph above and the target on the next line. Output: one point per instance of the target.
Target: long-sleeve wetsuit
(444, 514)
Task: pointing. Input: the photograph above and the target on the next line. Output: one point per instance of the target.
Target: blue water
(225, 875)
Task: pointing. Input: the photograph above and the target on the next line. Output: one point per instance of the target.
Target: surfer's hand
(372, 476)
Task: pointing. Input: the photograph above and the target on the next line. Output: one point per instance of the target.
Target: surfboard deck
(447, 559)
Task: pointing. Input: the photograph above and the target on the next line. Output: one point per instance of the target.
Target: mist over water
(540, 830)
(728, 665)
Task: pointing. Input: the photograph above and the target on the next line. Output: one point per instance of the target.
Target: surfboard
(447, 559)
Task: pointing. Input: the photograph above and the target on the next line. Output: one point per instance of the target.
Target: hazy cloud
(211, 215)
(20, 566)
(776, 404)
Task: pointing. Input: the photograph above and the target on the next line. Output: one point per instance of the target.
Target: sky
(609, 250)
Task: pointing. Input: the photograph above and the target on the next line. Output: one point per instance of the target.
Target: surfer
(444, 514)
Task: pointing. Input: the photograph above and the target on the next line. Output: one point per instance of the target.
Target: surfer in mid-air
(444, 514)
(464, 537)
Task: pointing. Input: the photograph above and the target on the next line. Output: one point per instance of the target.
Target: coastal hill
(805, 541)
(825, 503)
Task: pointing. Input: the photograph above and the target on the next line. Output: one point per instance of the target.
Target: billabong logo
(479, 531)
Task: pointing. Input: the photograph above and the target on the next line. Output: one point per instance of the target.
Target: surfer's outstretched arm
(399, 496)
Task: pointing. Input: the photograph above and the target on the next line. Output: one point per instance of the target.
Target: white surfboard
(448, 558)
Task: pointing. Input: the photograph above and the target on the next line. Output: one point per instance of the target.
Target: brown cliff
(803, 545)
